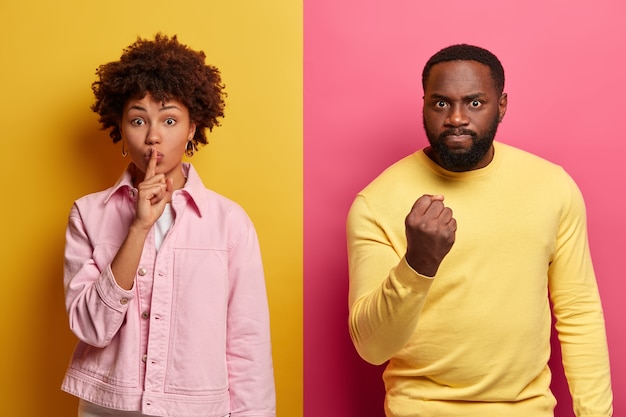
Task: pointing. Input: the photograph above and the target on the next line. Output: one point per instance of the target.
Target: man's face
(462, 110)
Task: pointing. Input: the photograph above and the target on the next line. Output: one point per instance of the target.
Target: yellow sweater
(475, 339)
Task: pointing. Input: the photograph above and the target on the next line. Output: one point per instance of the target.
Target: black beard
(462, 161)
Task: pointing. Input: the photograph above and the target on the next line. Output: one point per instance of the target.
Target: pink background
(564, 63)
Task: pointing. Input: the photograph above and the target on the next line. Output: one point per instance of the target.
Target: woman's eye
(137, 122)
(170, 122)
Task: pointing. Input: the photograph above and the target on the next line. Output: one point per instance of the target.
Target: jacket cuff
(112, 294)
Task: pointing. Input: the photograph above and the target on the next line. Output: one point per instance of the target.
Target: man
(455, 295)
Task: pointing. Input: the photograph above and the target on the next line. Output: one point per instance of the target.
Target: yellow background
(52, 152)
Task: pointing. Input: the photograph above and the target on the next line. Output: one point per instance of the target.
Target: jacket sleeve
(578, 313)
(95, 304)
(248, 344)
(386, 295)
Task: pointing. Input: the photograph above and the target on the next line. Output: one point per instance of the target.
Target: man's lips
(457, 141)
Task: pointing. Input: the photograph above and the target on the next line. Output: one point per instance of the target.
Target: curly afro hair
(167, 70)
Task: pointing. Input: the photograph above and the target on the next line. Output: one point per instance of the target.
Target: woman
(163, 278)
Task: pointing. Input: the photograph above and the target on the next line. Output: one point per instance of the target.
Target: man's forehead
(461, 69)
(459, 75)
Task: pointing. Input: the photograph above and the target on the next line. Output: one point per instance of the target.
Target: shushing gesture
(153, 193)
(430, 234)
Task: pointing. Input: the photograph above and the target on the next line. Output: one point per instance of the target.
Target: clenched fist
(430, 234)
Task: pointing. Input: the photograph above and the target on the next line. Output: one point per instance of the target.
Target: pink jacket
(192, 337)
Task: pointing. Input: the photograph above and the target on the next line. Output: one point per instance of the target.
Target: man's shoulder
(397, 172)
(399, 183)
(529, 169)
(512, 153)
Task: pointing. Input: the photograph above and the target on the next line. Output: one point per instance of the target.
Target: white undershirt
(163, 224)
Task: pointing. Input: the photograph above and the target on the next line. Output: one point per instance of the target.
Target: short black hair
(464, 52)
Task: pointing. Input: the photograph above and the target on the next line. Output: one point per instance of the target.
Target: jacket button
(145, 315)
(142, 271)
(144, 358)
(124, 301)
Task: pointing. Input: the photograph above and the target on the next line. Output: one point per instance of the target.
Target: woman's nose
(153, 136)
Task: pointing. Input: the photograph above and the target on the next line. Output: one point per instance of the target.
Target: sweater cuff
(411, 279)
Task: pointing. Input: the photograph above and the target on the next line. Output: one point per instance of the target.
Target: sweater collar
(475, 173)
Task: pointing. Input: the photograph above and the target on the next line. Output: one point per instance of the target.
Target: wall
(361, 65)
(564, 63)
(53, 152)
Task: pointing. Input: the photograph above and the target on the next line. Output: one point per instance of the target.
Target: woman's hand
(153, 193)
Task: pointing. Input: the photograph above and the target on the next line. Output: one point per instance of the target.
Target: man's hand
(430, 234)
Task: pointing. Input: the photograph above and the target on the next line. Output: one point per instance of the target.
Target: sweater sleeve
(386, 294)
(95, 304)
(578, 313)
(248, 349)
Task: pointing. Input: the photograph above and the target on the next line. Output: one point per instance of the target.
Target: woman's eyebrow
(170, 107)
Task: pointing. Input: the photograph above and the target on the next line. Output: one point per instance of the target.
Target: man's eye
(475, 103)
(440, 104)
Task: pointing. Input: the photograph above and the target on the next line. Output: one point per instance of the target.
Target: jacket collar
(193, 191)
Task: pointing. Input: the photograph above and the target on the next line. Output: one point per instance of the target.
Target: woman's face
(149, 124)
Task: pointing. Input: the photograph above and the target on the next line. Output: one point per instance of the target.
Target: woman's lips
(148, 156)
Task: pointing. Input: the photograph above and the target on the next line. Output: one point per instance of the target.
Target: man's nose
(457, 116)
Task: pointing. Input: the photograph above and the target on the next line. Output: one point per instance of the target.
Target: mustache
(458, 132)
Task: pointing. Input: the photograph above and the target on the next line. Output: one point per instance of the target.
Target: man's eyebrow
(435, 95)
(474, 96)
(467, 97)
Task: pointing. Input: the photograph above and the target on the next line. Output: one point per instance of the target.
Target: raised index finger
(152, 163)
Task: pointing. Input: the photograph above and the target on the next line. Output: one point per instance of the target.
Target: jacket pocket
(197, 351)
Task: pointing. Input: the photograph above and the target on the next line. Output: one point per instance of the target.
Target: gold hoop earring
(190, 148)
(124, 151)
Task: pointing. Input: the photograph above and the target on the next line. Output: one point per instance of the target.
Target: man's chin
(458, 159)
(458, 151)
